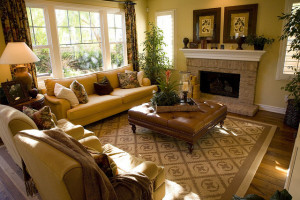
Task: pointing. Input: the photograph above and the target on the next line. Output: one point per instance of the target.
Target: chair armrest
(76, 131)
(146, 82)
(148, 168)
(58, 106)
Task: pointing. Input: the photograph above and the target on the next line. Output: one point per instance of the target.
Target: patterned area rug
(223, 162)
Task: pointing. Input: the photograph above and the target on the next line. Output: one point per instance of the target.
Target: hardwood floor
(272, 171)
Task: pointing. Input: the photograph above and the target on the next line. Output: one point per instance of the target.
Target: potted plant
(292, 30)
(154, 60)
(258, 41)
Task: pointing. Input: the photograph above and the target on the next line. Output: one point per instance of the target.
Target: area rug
(223, 162)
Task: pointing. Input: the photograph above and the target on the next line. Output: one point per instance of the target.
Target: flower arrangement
(168, 95)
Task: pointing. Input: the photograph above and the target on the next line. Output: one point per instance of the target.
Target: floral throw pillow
(79, 91)
(128, 80)
(42, 118)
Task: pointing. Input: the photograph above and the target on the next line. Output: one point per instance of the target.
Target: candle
(236, 35)
(185, 86)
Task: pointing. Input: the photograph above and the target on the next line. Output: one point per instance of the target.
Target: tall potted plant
(154, 60)
(292, 30)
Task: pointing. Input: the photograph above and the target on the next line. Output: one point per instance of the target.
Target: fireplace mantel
(224, 54)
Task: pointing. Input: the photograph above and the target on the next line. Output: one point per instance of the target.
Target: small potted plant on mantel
(258, 41)
(291, 31)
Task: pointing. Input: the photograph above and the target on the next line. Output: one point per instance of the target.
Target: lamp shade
(17, 53)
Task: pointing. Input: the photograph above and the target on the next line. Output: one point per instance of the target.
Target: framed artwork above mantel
(206, 25)
(239, 21)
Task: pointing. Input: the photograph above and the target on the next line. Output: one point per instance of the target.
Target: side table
(35, 103)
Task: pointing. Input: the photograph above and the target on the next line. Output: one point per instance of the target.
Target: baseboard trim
(272, 108)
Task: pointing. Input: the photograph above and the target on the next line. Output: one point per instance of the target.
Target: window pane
(111, 20)
(95, 19)
(44, 65)
(75, 35)
(86, 35)
(118, 21)
(38, 17)
(40, 36)
(61, 18)
(112, 35)
(81, 59)
(29, 16)
(85, 19)
(96, 34)
(117, 55)
(32, 37)
(74, 18)
(64, 35)
(119, 35)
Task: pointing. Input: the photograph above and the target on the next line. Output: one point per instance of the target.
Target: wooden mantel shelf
(224, 54)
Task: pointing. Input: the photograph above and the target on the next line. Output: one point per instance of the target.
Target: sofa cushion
(86, 80)
(129, 95)
(63, 92)
(95, 105)
(79, 91)
(103, 87)
(112, 75)
(42, 118)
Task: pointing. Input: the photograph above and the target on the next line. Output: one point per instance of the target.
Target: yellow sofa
(98, 107)
(56, 175)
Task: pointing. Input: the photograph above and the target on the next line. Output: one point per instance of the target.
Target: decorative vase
(22, 75)
(185, 42)
(33, 92)
(240, 41)
(292, 114)
(204, 44)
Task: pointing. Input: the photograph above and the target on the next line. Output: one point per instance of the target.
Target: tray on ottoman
(187, 126)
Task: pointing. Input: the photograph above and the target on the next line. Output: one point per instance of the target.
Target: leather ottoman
(187, 126)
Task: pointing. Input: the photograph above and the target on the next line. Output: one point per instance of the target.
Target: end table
(35, 103)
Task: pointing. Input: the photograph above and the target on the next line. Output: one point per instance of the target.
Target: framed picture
(206, 25)
(239, 21)
(15, 92)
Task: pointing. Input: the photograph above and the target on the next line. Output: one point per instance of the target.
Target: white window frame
(173, 14)
(283, 45)
(52, 31)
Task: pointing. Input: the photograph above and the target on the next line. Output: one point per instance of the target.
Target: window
(165, 21)
(286, 64)
(116, 39)
(71, 40)
(39, 38)
(79, 34)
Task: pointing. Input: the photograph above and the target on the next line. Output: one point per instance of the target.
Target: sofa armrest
(58, 106)
(146, 82)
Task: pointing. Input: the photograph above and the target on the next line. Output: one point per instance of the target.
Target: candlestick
(185, 86)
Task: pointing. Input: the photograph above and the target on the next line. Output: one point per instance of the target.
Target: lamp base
(22, 75)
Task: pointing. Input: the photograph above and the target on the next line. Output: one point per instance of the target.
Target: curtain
(16, 29)
(131, 36)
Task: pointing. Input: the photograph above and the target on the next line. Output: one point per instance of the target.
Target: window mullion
(105, 41)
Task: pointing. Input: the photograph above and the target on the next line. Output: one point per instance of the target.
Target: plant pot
(292, 114)
(259, 47)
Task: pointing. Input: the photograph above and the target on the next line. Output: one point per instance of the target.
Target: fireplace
(217, 83)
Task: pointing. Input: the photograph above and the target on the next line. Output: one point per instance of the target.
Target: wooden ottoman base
(187, 126)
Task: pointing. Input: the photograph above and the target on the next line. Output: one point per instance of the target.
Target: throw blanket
(96, 184)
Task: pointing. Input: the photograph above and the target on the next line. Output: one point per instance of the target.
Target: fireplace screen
(224, 84)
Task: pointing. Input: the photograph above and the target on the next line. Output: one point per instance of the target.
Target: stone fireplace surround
(243, 62)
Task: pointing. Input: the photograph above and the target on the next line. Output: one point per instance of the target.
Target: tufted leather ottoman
(187, 126)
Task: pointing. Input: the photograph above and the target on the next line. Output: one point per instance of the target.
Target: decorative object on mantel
(168, 95)
(194, 45)
(18, 53)
(15, 92)
(206, 23)
(258, 41)
(203, 43)
(240, 41)
(292, 30)
(185, 42)
(239, 20)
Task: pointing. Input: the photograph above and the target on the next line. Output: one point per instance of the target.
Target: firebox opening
(224, 84)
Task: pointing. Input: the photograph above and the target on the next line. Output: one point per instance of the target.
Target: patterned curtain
(131, 36)
(16, 28)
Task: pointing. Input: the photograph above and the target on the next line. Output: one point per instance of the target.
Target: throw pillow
(42, 118)
(103, 87)
(128, 80)
(79, 91)
(62, 92)
(140, 76)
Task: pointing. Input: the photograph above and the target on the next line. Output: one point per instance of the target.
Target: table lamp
(18, 53)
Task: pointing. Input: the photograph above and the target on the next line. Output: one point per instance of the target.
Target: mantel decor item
(185, 42)
(18, 53)
(239, 21)
(15, 92)
(258, 41)
(194, 45)
(206, 23)
(240, 41)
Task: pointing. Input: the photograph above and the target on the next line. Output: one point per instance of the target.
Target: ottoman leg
(133, 128)
(190, 147)
(221, 124)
